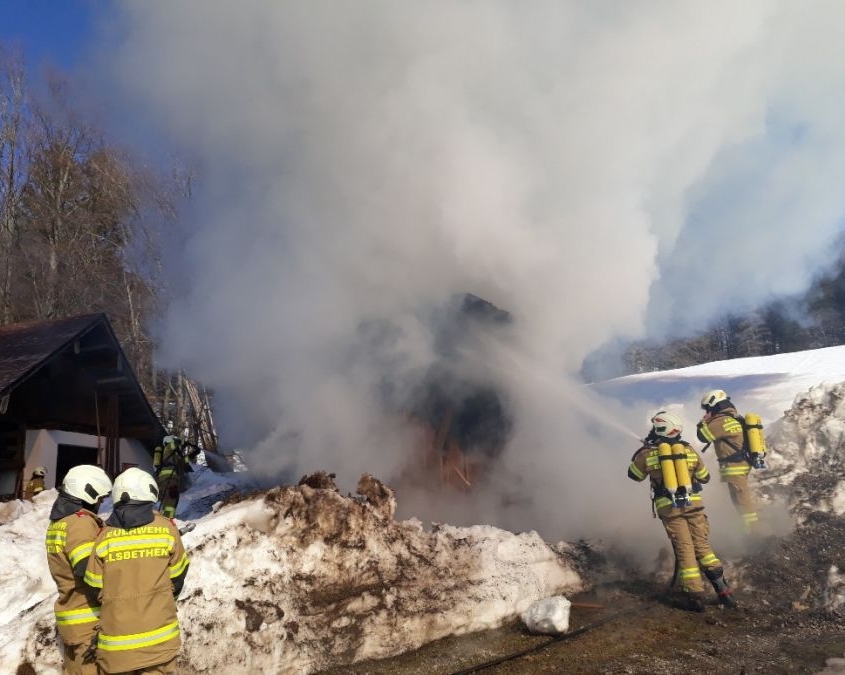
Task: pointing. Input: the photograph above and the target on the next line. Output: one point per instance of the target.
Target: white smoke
(590, 167)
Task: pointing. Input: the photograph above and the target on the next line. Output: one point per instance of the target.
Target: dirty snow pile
(300, 578)
(807, 454)
(807, 475)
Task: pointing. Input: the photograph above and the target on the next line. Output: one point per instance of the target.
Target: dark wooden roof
(25, 346)
(56, 373)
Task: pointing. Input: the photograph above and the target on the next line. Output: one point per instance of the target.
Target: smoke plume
(597, 169)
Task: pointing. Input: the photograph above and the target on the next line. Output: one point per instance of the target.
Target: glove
(696, 487)
(90, 654)
(757, 461)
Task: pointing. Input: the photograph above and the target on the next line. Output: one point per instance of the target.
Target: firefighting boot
(687, 600)
(695, 602)
(716, 575)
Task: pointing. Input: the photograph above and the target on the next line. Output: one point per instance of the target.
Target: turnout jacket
(170, 459)
(646, 464)
(70, 540)
(34, 486)
(725, 432)
(139, 566)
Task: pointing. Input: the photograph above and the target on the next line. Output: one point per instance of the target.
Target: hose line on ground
(551, 641)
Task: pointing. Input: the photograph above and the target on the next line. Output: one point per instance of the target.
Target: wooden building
(462, 418)
(69, 397)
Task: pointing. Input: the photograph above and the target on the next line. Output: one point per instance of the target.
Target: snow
(549, 616)
(767, 385)
(296, 579)
(273, 575)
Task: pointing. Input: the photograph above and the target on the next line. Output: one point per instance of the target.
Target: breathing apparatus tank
(684, 490)
(756, 440)
(667, 468)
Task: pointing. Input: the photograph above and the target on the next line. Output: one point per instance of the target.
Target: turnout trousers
(169, 485)
(740, 492)
(168, 668)
(689, 532)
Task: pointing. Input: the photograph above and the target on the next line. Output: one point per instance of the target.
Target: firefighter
(138, 565)
(722, 427)
(681, 509)
(171, 463)
(35, 485)
(74, 525)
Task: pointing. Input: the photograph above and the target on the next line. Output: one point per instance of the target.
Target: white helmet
(171, 440)
(39, 471)
(134, 484)
(86, 482)
(713, 397)
(667, 425)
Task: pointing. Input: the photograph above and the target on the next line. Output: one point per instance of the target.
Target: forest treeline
(80, 223)
(812, 320)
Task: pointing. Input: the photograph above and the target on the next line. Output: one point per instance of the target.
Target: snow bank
(298, 579)
(311, 579)
(807, 453)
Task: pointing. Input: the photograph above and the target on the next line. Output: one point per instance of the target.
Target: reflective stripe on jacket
(725, 432)
(139, 572)
(69, 542)
(168, 458)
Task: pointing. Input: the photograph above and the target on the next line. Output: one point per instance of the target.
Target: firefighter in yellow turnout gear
(171, 463)
(676, 472)
(74, 525)
(721, 426)
(35, 485)
(138, 565)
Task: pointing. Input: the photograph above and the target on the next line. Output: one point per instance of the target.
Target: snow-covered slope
(765, 384)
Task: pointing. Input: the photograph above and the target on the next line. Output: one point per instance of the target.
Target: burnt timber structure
(70, 374)
(465, 418)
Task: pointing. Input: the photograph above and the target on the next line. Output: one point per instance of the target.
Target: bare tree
(80, 226)
(12, 171)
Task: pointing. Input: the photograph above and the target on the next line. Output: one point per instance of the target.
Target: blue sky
(50, 31)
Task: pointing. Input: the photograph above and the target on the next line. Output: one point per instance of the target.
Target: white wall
(7, 482)
(41, 449)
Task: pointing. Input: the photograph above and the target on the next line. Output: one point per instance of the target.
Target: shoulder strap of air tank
(741, 453)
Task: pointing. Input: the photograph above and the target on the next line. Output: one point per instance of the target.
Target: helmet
(134, 484)
(86, 482)
(667, 425)
(39, 471)
(713, 397)
(171, 440)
